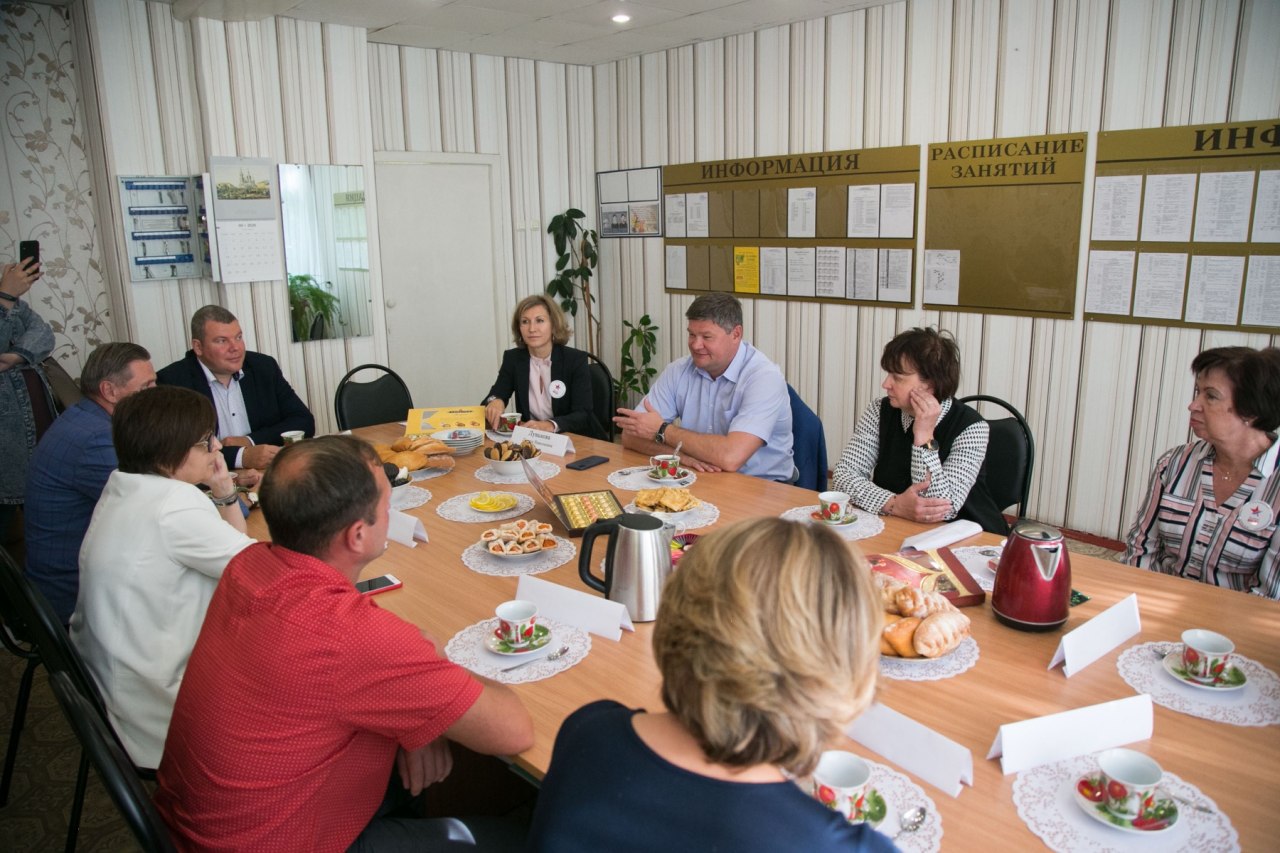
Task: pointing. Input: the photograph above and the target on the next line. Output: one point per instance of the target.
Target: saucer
(849, 518)
(1232, 679)
(499, 502)
(541, 636)
(1163, 815)
(873, 809)
(684, 472)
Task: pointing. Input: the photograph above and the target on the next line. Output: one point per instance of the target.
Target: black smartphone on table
(587, 462)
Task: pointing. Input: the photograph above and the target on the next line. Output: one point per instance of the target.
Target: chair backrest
(359, 404)
(66, 391)
(808, 444)
(113, 766)
(16, 633)
(604, 395)
(1011, 455)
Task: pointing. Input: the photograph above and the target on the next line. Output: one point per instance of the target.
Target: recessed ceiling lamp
(621, 18)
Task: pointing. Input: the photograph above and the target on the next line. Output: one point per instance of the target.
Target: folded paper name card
(405, 528)
(933, 570)
(1084, 645)
(938, 760)
(945, 534)
(579, 609)
(550, 443)
(1056, 737)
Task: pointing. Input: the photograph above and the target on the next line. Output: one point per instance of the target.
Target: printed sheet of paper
(942, 276)
(677, 268)
(1266, 210)
(897, 210)
(746, 269)
(895, 286)
(1109, 283)
(1213, 291)
(773, 271)
(674, 215)
(1222, 207)
(1262, 291)
(802, 212)
(696, 213)
(861, 276)
(1116, 203)
(1162, 279)
(802, 271)
(864, 211)
(830, 271)
(1166, 208)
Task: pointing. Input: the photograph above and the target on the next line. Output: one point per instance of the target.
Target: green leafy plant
(633, 381)
(578, 248)
(312, 308)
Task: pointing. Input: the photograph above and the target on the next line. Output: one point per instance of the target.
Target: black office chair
(604, 394)
(99, 743)
(1011, 456)
(808, 444)
(384, 399)
(65, 390)
(15, 635)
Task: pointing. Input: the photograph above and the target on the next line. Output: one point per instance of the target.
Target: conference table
(1237, 766)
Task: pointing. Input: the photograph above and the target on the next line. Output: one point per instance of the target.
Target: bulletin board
(1186, 227)
(838, 226)
(1002, 225)
(630, 202)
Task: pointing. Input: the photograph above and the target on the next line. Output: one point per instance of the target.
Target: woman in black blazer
(552, 382)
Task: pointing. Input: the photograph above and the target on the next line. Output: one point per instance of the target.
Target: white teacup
(834, 506)
(292, 436)
(665, 466)
(508, 422)
(840, 783)
(516, 620)
(1129, 779)
(1205, 654)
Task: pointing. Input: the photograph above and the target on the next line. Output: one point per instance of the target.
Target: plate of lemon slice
(492, 501)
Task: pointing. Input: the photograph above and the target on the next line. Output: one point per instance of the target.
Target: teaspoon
(911, 820)
(556, 655)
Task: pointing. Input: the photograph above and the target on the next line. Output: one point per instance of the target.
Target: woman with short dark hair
(917, 453)
(1211, 511)
(151, 559)
(767, 641)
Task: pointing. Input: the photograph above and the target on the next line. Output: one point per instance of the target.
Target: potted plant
(633, 381)
(578, 248)
(313, 309)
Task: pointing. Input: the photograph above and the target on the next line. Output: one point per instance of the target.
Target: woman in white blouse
(151, 558)
(551, 381)
(917, 453)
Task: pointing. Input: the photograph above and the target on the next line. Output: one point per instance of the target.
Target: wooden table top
(1239, 767)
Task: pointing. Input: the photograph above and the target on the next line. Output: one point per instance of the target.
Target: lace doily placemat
(544, 469)
(428, 473)
(635, 479)
(467, 650)
(962, 658)
(1255, 704)
(478, 559)
(1046, 801)
(408, 497)
(901, 795)
(703, 515)
(459, 509)
(866, 525)
(980, 561)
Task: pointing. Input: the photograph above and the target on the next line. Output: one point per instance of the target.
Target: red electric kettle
(1033, 580)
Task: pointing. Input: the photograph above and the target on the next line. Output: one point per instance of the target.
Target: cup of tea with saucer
(1124, 792)
(842, 783)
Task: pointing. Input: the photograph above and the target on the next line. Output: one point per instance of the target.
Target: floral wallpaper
(45, 189)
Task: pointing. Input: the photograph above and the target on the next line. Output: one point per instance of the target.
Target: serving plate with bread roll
(416, 453)
(919, 625)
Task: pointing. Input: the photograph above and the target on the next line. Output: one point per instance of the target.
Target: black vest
(893, 467)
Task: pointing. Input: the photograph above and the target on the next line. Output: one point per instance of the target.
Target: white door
(441, 260)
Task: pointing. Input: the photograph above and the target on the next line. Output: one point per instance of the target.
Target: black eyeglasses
(206, 443)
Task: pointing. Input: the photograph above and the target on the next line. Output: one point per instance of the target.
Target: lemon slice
(486, 502)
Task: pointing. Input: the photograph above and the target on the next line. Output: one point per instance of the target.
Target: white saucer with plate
(541, 637)
(1167, 819)
(1232, 679)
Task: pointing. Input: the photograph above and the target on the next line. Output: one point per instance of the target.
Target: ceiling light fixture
(621, 18)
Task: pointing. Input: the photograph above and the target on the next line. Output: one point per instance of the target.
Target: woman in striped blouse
(1212, 509)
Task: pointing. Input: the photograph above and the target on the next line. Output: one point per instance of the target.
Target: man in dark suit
(254, 401)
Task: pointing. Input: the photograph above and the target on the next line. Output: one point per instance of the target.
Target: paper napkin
(938, 760)
(940, 537)
(405, 528)
(582, 610)
(1099, 635)
(551, 443)
(1056, 737)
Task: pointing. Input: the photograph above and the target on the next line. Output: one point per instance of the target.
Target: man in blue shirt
(71, 465)
(731, 402)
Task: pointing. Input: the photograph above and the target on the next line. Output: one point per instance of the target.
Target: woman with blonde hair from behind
(767, 643)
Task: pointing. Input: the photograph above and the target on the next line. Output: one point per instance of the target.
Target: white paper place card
(938, 760)
(940, 537)
(405, 528)
(1099, 635)
(552, 443)
(582, 610)
(1056, 737)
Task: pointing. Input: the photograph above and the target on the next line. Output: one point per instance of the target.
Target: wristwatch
(662, 433)
(931, 444)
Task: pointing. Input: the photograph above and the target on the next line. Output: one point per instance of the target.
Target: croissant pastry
(910, 601)
(939, 633)
(899, 636)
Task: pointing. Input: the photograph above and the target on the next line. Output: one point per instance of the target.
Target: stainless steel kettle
(636, 565)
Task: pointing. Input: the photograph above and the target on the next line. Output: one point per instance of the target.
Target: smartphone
(373, 586)
(28, 249)
(587, 462)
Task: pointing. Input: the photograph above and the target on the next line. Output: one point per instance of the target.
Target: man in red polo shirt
(302, 695)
